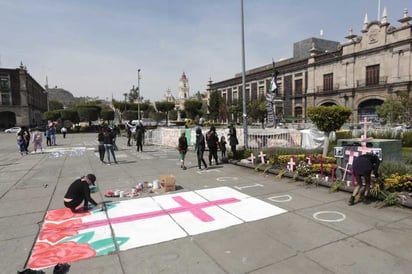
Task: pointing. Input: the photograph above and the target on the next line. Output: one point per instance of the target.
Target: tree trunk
(326, 143)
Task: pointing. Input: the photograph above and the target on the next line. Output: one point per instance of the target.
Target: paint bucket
(117, 193)
(121, 193)
(326, 178)
(156, 184)
(133, 191)
(348, 183)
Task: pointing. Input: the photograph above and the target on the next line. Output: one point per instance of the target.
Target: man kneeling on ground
(78, 192)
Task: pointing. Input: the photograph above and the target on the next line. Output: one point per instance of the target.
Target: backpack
(210, 139)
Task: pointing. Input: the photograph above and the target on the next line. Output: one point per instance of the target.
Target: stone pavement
(319, 233)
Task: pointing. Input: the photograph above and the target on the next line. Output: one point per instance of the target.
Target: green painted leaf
(105, 246)
(80, 238)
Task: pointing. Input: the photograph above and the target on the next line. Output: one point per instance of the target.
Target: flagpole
(244, 116)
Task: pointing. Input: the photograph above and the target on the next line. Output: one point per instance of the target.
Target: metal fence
(257, 138)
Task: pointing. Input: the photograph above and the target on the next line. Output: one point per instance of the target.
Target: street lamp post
(125, 105)
(243, 80)
(138, 95)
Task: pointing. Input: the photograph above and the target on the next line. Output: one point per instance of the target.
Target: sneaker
(351, 201)
(184, 168)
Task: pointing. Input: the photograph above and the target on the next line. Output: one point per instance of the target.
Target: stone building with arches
(22, 99)
(360, 73)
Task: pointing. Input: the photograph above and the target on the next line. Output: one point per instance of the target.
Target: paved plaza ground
(282, 227)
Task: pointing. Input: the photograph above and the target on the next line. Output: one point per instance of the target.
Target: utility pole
(138, 95)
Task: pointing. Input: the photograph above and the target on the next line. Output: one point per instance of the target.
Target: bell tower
(183, 88)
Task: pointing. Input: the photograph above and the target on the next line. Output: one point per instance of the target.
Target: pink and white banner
(67, 237)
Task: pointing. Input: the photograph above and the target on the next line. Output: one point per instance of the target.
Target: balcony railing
(327, 90)
(364, 83)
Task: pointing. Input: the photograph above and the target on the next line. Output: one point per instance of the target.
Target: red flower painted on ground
(63, 214)
(45, 254)
(55, 232)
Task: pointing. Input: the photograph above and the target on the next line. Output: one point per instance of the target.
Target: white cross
(262, 157)
(351, 154)
(291, 164)
(365, 124)
(252, 158)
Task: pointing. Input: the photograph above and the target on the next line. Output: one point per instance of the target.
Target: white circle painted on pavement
(342, 216)
(281, 198)
(224, 179)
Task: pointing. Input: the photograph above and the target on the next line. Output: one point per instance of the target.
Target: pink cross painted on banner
(365, 124)
(262, 157)
(195, 209)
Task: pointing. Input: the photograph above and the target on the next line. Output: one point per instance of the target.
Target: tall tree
(328, 119)
(193, 108)
(396, 109)
(165, 107)
(215, 101)
(55, 105)
(257, 110)
(88, 112)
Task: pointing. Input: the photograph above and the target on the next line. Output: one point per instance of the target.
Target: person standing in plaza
(100, 144)
(129, 128)
(37, 140)
(222, 145)
(213, 144)
(362, 167)
(139, 137)
(200, 146)
(108, 145)
(47, 134)
(64, 132)
(233, 141)
(78, 192)
(25, 135)
(21, 144)
(182, 147)
(52, 133)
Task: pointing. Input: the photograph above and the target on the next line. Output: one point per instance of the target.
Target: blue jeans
(109, 150)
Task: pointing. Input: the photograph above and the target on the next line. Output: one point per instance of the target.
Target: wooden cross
(262, 157)
(365, 124)
(252, 158)
(291, 163)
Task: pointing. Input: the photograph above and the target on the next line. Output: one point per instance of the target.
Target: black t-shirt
(80, 190)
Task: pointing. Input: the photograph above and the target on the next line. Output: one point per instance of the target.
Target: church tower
(183, 88)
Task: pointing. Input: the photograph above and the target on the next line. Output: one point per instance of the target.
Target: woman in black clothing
(100, 141)
(182, 149)
(78, 192)
(362, 167)
(200, 148)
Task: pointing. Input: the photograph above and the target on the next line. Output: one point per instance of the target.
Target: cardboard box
(168, 183)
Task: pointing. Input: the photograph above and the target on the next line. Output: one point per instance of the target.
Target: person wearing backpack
(212, 143)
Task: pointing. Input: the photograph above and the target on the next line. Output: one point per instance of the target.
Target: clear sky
(95, 47)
